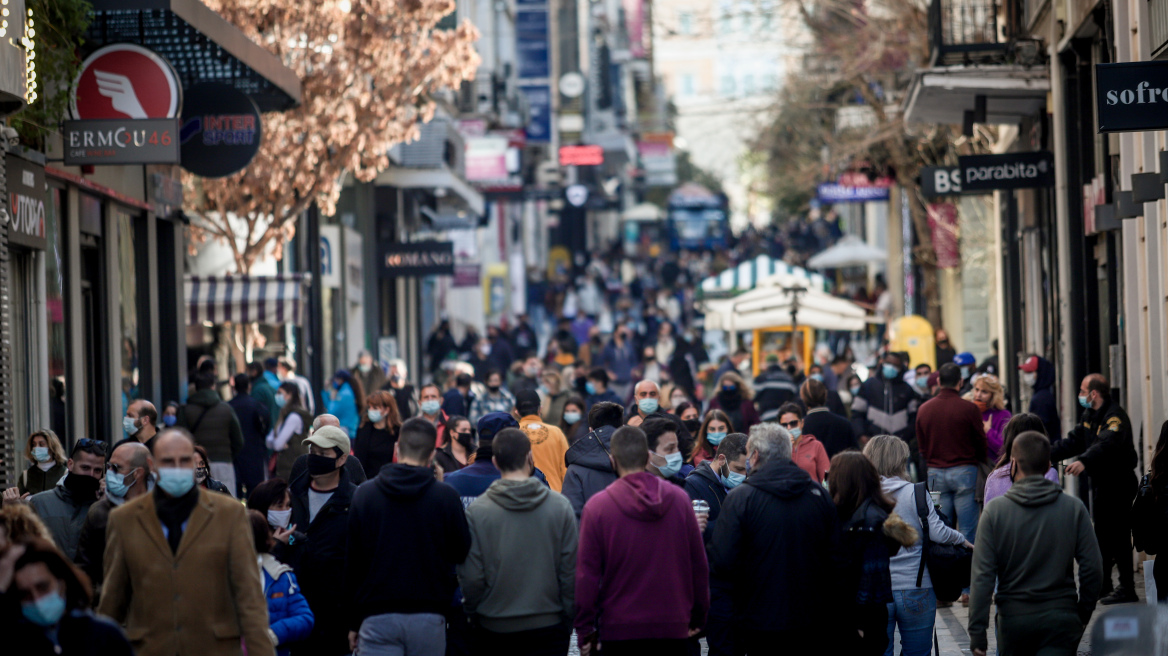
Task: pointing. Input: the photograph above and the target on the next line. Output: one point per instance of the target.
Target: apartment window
(748, 84)
(688, 86)
(726, 22)
(685, 23)
(728, 85)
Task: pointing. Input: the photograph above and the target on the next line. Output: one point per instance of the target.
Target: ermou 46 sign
(1132, 97)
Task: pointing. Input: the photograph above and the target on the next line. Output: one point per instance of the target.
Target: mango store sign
(419, 258)
(1132, 97)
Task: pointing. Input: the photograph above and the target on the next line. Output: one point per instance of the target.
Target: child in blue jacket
(289, 616)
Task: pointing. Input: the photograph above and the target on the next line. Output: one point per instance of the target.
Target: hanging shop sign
(941, 180)
(531, 44)
(1132, 97)
(1024, 170)
(539, 112)
(26, 202)
(221, 130)
(581, 155)
(830, 192)
(417, 258)
(126, 101)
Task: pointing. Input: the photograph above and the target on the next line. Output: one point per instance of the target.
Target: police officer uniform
(1103, 442)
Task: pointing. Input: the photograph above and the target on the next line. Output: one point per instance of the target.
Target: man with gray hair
(777, 544)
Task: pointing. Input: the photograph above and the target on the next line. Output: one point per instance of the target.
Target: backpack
(949, 564)
(1148, 521)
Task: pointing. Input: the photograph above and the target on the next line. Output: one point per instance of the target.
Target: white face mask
(279, 518)
(1030, 379)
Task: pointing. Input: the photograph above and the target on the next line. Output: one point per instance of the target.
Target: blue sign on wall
(531, 43)
(831, 192)
(539, 104)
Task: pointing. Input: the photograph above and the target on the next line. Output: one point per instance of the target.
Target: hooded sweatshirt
(589, 469)
(641, 572)
(548, 446)
(1043, 403)
(1033, 512)
(520, 573)
(407, 532)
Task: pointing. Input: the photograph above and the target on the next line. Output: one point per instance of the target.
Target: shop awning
(751, 273)
(200, 44)
(770, 305)
(244, 299)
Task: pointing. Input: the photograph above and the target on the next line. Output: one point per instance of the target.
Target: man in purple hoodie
(642, 578)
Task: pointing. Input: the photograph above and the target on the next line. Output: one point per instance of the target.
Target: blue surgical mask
(1083, 401)
(732, 480)
(430, 407)
(129, 425)
(571, 417)
(40, 453)
(46, 611)
(648, 406)
(890, 371)
(672, 464)
(715, 437)
(590, 388)
(923, 382)
(795, 433)
(169, 420)
(115, 484)
(281, 400)
(176, 481)
(855, 389)
(965, 371)
(375, 415)
(818, 377)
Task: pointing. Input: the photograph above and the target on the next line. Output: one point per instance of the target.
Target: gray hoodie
(1028, 542)
(521, 570)
(905, 564)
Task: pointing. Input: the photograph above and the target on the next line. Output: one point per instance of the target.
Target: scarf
(173, 512)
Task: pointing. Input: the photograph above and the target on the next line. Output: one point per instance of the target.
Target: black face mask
(82, 487)
(493, 388)
(693, 425)
(467, 440)
(321, 465)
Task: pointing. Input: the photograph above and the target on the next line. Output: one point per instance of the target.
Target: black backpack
(1148, 521)
(949, 564)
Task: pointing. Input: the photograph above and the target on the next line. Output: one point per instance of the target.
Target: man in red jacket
(642, 578)
(952, 440)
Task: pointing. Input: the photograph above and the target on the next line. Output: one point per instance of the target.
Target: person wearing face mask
(273, 498)
(460, 448)
(555, 397)
(139, 423)
(1102, 441)
(642, 577)
(63, 508)
(480, 359)
(548, 444)
(288, 433)
(456, 401)
(772, 388)
(921, 381)
(528, 379)
(321, 499)
(290, 617)
(736, 400)
(1038, 374)
(369, 372)
(646, 400)
(127, 477)
(711, 480)
(203, 543)
(46, 466)
(989, 397)
(403, 392)
(345, 398)
(689, 416)
(834, 404)
(967, 362)
(832, 430)
(203, 473)
(45, 601)
(496, 398)
(710, 434)
(854, 386)
(596, 387)
(665, 456)
(589, 467)
(574, 421)
(943, 350)
(885, 404)
(378, 433)
(806, 451)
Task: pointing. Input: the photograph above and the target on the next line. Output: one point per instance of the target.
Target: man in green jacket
(1028, 542)
(215, 428)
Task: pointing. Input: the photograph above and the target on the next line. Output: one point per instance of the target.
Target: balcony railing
(967, 32)
(1158, 28)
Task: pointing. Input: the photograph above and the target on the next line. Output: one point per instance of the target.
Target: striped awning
(244, 299)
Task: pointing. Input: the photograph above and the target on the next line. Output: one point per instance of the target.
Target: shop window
(58, 375)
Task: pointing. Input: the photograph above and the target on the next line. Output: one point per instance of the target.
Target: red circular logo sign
(126, 81)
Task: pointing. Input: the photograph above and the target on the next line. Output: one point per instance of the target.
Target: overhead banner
(539, 110)
(941, 180)
(1132, 97)
(221, 130)
(26, 202)
(531, 44)
(830, 192)
(1025, 170)
(417, 258)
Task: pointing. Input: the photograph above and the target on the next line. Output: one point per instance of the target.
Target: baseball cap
(1029, 365)
(327, 437)
(964, 358)
(492, 423)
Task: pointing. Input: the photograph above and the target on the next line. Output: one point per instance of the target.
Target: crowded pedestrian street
(566, 328)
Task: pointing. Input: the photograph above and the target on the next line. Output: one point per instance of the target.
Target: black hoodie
(1043, 403)
(589, 469)
(407, 531)
(777, 542)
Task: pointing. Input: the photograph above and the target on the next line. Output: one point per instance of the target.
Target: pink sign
(486, 158)
(943, 226)
(635, 24)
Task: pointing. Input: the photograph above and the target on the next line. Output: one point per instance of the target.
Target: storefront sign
(26, 202)
(418, 258)
(467, 275)
(581, 156)
(830, 192)
(1026, 170)
(221, 130)
(531, 43)
(126, 81)
(121, 141)
(941, 180)
(486, 158)
(1132, 97)
(539, 112)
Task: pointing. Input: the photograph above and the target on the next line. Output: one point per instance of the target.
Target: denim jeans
(396, 634)
(915, 612)
(957, 501)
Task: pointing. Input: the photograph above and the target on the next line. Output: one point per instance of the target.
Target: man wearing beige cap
(320, 508)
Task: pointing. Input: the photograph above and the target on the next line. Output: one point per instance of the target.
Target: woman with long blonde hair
(990, 398)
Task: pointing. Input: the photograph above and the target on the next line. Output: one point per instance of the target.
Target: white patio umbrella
(848, 251)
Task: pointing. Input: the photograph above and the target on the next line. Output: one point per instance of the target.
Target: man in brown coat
(180, 566)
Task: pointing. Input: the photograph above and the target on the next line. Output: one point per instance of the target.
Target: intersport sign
(1024, 170)
(1132, 97)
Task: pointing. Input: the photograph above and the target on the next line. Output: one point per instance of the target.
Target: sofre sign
(126, 101)
(1132, 97)
(1024, 170)
(419, 258)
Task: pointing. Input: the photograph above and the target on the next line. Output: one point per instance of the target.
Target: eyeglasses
(792, 424)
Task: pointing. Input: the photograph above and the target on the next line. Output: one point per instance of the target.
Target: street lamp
(794, 292)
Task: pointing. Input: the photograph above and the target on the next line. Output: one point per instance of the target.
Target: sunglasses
(792, 424)
(87, 443)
